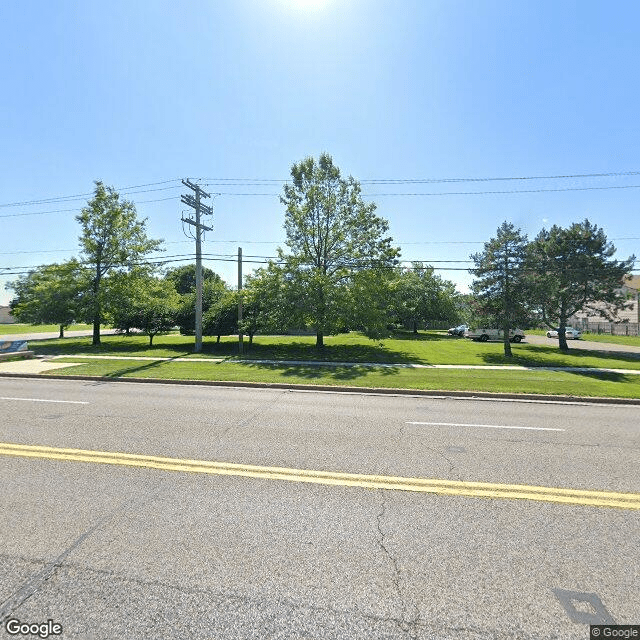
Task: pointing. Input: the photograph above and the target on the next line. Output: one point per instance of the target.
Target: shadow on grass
(318, 372)
(421, 336)
(267, 350)
(607, 376)
(119, 373)
(542, 356)
(109, 345)
(358, 353)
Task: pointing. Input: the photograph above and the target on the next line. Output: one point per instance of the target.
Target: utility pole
(240, 345)
(200, 208)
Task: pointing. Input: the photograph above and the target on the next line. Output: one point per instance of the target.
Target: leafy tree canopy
(112, 239)
(501, 280)
(331, 233)
(152, 307)
(48, 295)
(573, 270)
(184, 277)
(421, 297)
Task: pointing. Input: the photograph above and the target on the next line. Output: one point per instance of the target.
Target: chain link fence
(609, 328)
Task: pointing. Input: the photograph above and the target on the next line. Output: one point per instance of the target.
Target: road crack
(37, 580)
(409, 620)
(435, 452)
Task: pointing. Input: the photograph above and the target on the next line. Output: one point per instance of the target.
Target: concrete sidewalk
(38, 365)
(33, 365)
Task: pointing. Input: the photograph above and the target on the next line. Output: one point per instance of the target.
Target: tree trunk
(250, 339)
(151, 339)
(319, 340)
(61, 331)
(562, 339)
(218, 340)
(96, 329)
(415, 327)
(507, 342)
(96, 307)
(562, 334)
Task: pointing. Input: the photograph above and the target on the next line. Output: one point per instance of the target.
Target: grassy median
(542, 382)
(405, 348)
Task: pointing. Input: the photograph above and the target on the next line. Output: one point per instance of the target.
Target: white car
(482, 335)
(458, 331)
(569, 332)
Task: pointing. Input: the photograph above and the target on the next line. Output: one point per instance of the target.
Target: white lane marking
(43, 400)
(484, 426)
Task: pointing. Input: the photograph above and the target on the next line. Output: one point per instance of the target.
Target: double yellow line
(581, 497)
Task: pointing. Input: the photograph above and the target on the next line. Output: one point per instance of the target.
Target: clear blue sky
(133, 93)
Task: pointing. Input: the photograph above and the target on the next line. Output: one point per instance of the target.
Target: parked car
(458, 331)
(482, 335)
(569, 332)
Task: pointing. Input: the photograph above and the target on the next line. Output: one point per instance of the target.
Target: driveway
(584, 344)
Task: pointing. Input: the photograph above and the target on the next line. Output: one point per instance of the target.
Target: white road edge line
(484, 426)
(472, 398)
(43, 400)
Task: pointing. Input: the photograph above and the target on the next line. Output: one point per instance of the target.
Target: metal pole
(198, 347)
(240, 336)
(199, 208)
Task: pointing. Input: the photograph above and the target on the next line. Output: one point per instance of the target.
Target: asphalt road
(115, 551)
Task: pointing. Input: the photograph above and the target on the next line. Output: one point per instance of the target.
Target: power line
(556, 177)
(373, 181)
(478, 193)
(84, 195)
(263, 260)
(609, 174)
(399, 243)
(41, 213)
(450, 193)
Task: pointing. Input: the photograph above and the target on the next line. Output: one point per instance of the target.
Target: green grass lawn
(425, 348)
(633, 341)
(540, 382)
(16, 329)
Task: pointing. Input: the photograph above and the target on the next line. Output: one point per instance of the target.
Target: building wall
(631, 289)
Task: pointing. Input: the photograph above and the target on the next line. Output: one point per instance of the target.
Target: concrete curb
(429, 393)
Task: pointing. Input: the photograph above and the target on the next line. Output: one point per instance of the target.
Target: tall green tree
(184, 277)
(501, 280)
(369, 305)
(330, 232)
(574, 270)
(213, 289)
(221, 318)
(152, 309)
(422, 297)
(112, 240)
(268, 303)
(48, 295)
